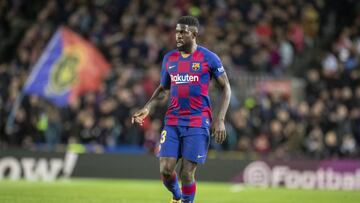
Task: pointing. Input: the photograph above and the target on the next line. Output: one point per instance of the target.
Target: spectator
(251, 36)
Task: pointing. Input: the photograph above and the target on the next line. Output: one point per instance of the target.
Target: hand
(218, 131)
(140, 115)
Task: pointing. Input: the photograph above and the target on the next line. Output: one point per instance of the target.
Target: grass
(145, 191)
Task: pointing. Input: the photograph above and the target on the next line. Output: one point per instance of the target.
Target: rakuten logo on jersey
(183, 79)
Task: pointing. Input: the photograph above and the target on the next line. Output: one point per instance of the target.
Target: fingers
(138, 117)
(217, 136)
(220, 136)
(133, 118)
(223, 137)
(139, 120)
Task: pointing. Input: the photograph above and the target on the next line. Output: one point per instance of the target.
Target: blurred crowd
(249, 36)
(325, 124)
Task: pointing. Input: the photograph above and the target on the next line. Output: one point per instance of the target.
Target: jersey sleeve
(165, 78)
(216, 67)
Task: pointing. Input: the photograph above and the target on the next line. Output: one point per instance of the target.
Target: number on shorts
(163, 136)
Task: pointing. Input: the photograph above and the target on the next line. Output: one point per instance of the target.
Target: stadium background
(293, 66)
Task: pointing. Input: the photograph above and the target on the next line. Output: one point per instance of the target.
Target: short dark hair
(189, 20)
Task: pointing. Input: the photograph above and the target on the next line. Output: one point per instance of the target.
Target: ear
(195, 34)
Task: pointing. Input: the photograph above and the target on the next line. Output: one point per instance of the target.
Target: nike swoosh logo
(200, 156)
(170, 67)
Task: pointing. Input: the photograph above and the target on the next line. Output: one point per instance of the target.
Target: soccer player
(185, 75)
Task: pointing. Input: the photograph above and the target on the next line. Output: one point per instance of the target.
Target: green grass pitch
(145, 191)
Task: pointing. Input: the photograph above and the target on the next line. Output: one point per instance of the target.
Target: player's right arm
(159, 94)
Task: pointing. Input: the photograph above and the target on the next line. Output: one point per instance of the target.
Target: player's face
(184, 37)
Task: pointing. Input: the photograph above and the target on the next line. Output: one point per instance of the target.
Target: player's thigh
(170, 142)
(195, 147)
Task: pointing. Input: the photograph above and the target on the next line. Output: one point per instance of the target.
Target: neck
(190, 50)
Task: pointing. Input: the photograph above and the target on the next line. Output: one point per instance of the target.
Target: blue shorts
(190, 143)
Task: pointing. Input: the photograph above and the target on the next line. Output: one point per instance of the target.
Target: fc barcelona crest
(196, 66)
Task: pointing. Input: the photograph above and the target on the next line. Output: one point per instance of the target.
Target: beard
(186, 47)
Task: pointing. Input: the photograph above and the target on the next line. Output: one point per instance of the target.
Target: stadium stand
(274, 38)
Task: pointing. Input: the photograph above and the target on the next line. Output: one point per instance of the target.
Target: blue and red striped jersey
(188, 80)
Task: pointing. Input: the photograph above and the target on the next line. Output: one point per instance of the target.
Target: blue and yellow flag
(69, 67)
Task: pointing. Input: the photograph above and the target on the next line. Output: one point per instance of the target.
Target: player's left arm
(218, 127)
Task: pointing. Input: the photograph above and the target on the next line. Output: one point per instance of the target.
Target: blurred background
(293, 67)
